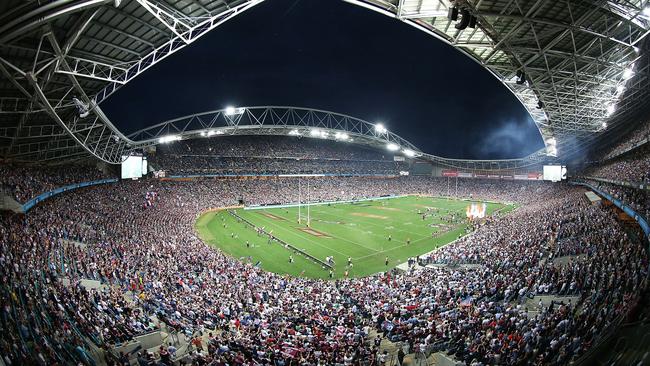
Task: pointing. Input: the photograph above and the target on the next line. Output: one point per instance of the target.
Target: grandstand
(280, 235)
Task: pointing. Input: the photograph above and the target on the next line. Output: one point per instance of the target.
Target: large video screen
(132, 167)
(554, 173)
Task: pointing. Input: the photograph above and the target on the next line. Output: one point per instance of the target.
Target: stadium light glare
(552, 141)
(611, 109)
(620, 89)
(231, 111)
(628, 73)
(213, 132)
(408, 152)
(379, 128)
(604, 125)
(646, 11)
(551, 151)
(314, 132)
(168, 139)
(294, 133)
(341, 136)
(392, 146)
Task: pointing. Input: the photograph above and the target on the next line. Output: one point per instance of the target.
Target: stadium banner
(465, 175)
(628, 210)
(449, 173)
(264, 207)
(535, 176)
(521, 177)
(43, 196)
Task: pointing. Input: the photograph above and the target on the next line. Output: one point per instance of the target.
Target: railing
(627, 209)
(43, 196)
(636, 185)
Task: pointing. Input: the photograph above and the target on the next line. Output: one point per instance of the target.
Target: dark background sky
(331, 55)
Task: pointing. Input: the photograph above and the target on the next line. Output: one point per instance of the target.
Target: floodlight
(611, 109)
(551, 151)
(168, 138)
(314, 132)
(379, 128)
(628, 73)
(408, 152)
(392, 146)
(204, 133)
(604, 125)
(341, 136)
(294, 133)
(552, 141)
(230, 110)
(646, 11)
(620, 89)
(213, 132)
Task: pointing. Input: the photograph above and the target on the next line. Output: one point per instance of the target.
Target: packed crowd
(636, 199)
(199, 164)
(273, 147)
(633, 167)
(138, 237)
(635, 137)
(272, 155)
(27, 182)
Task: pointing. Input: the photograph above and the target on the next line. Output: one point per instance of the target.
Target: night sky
(331, 55)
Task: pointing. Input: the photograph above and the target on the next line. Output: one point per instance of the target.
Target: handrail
(635, 185)
(627, 209)
(43, 196)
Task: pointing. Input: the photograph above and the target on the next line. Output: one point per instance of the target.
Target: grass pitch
(344, 230)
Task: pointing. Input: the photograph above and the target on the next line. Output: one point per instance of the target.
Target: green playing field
(361, 231)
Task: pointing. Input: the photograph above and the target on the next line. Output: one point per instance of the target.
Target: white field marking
(326, 247)
(301, 238)
(412, 242)
(381, 236)
(418, 237)
(368, 232)
(367, 222)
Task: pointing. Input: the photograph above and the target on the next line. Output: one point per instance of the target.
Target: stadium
(285, 234)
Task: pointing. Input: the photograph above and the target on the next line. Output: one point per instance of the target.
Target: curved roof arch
(569, 63)
(575, 65)
(302, 122)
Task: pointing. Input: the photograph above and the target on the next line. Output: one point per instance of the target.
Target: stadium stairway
(411, 358)
(8, 203)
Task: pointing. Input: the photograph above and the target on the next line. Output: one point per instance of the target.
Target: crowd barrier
(628, 210)
(43, 196)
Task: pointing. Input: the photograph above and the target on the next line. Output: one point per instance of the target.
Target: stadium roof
(576, 66)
